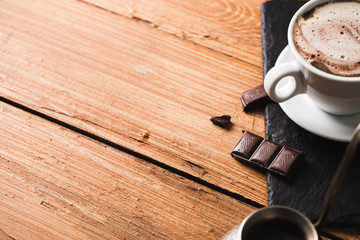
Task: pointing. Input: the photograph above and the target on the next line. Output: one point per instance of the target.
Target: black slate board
(306, 190)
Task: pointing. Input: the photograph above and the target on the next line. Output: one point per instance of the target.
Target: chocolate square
(247, 145)
(265, 153)
(286, 161)
(254, 98)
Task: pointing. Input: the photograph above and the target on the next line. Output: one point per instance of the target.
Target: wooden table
(105, 118)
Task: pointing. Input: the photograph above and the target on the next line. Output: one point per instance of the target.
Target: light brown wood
(57, 184)
(4, 236)
(348, 233)
(146, 75)
(229, 26)
(122, 79)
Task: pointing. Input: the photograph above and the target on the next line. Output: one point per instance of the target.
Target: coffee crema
(328, 37)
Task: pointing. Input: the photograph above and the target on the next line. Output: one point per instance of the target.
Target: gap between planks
(142, 157)
(148, 159)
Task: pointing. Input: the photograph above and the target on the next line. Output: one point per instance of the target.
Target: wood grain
(128, 82)
(57, 184)
(348, 233)
(147, 75)
(228, 26)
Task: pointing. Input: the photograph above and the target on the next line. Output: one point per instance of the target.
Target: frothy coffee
(328, 37)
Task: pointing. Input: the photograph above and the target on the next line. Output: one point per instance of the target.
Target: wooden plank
(4, 236)
(230, 26)
(132, 84)
(348, 233)
(57, 184)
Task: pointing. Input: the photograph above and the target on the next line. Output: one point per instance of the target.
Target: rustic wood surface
(121, 80)
(105, 121)
(57, 184)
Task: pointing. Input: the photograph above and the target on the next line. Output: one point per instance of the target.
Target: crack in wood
(135, 154)
(48, 205)
(138, 140)
(5, 236)
(58, 112)
(197, 168)
(147, 22)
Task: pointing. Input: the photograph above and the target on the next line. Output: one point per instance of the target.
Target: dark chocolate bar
(272, 157)
(254, 98)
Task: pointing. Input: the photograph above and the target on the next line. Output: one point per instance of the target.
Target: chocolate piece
(254, 98)
(286, 161)
(272, 157)
(265, 152)
(222, 121)
(247, 145)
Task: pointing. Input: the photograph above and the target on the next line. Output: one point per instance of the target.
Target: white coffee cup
(332, 93)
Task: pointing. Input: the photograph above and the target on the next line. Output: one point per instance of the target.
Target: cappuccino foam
(328, 37)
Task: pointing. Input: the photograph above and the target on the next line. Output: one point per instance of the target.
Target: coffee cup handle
(295, 85)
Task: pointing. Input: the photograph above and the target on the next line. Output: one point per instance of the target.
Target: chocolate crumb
(222, 121)
(146, 134)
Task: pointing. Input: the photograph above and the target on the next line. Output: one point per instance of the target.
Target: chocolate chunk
(247, 145)
(222, 121)
(272, 157)
(265, 152)
(254, 98)
(286, 161)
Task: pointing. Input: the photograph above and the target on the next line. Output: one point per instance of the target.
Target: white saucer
(306, 114)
